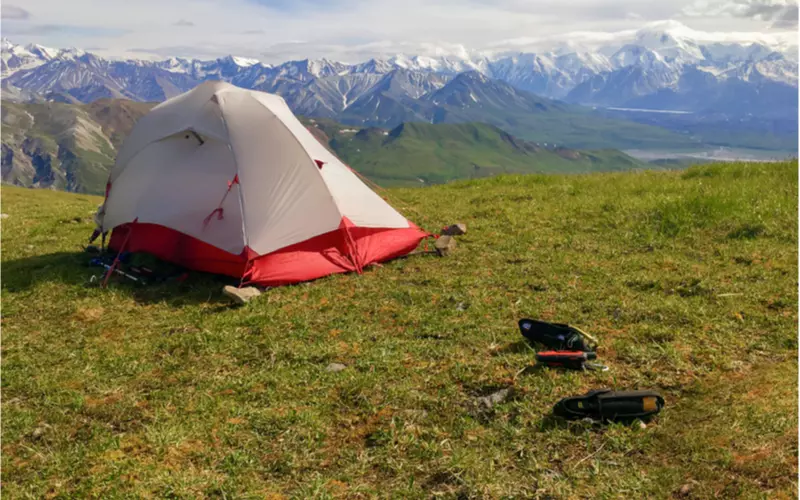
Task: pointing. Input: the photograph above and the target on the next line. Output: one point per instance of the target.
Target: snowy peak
(46, 53)
(448, 64)
(723, 54)
(243, 62)
(577, 62)
(414, 84)
(18, 57)
(308, 69)
(636, 55)
(175, 65)
(323, 67)
(664, 34)
(415, 62)
(671, 47)
(374, 66)
(529, 62)
(772, 68)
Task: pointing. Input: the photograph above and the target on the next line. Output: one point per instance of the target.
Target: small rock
(335, 367)
(685, 490)
(642, 425)
(241, 295)
(444, 245)
(455, 230)
(492, 399)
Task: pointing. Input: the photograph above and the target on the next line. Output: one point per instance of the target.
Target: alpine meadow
(688, 279)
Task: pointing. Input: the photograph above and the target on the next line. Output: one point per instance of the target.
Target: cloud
(14, 12)
(782, 13)
(354, 30)
(305, 5)
(184, 23)
(63, 30)
(188, 51)
(787, 19)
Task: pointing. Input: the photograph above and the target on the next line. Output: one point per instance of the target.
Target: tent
(227, 180)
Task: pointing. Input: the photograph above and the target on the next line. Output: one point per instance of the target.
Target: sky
(355, 30)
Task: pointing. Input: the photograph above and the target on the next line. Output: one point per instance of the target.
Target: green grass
(689, 280)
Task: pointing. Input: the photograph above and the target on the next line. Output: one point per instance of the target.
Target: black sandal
(605, 404)
(557, 336)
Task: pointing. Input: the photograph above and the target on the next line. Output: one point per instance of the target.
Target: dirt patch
(111, 399)
(88, 314)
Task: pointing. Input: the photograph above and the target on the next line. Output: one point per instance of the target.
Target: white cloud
(350, 30)
(782, 12)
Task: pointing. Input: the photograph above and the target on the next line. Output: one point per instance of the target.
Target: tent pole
(116, 259)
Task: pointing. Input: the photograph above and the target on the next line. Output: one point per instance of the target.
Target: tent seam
(241, 191)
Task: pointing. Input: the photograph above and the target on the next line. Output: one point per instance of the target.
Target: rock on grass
(241, 295)
(488, 402)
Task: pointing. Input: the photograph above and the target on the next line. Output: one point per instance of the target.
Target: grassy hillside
(65, 146)
(421, 153)
(688, 279)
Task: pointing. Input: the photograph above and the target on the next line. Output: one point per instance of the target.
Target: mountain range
(543, 97)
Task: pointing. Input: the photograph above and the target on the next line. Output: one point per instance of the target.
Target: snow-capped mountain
(669, 45)
(18, 57)
(226, 67)
(661, 59)
(537, 73)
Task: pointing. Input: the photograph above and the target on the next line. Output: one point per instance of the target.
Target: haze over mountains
(664, 66)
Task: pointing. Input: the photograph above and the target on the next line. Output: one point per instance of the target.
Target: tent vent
(190, 133)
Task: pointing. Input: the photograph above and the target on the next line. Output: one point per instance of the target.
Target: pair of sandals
(572, 348)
